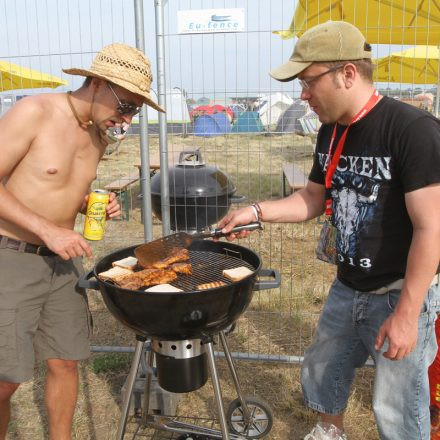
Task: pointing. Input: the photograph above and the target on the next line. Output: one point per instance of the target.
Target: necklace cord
(84, 124)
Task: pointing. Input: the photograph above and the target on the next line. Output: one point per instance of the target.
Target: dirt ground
(278, 322)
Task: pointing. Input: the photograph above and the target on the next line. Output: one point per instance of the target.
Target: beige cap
(125, 66)
(329, 41)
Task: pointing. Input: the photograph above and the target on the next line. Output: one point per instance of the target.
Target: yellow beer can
(94, 224)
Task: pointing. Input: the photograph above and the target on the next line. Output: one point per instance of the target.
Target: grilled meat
(211, 285)
(177, 255)
(185, 268)
(146, 277)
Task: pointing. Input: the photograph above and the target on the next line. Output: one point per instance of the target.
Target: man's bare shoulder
(35, 107)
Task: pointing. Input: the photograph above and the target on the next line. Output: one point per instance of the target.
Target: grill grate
(208, 267)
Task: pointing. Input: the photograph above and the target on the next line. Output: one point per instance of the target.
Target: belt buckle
(40, 248)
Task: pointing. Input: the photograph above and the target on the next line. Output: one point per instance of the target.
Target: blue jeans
(344, 339)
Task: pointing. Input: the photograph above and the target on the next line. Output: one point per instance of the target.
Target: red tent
(210, 110)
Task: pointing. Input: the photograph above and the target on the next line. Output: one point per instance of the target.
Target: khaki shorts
(43, 314)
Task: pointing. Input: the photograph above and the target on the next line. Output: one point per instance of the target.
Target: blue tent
(248, 122)
(212, 125)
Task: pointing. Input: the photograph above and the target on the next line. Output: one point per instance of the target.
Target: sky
(48, 35)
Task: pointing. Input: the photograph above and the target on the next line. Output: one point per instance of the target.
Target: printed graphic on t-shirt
(355, 190)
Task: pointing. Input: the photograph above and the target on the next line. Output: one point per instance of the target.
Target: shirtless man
(50, 147)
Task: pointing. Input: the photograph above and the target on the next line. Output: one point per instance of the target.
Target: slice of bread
(237, 274)
(114, 274)
(126, 263)
(163, 288)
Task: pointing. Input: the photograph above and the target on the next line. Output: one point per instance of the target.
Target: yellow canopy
(13, 76)
(408, 22)
(417, 65)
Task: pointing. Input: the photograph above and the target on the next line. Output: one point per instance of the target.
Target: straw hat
(125, 66)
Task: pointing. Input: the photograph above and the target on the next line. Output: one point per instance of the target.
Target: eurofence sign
(204, 21)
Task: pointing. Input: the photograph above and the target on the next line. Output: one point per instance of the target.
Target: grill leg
(246, 413)
(217, 391)
(147, 388)
(130, 384)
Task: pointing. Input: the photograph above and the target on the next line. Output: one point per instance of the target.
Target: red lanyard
(374, 98)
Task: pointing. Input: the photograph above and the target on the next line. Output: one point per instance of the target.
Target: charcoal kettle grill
(182, 327)
(200, 194)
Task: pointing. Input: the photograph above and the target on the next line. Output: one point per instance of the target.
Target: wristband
(255, 212)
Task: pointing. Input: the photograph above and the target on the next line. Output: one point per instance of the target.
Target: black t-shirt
(393, 150)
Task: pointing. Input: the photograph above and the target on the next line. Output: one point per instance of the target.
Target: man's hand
(113, 208)
(67, 243)
(238, 217)
(401, 333)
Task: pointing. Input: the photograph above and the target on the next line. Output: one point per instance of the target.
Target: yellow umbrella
(13, 76)
(381, 21)
(417, 65)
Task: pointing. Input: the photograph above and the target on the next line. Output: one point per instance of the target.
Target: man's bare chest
(61, 164)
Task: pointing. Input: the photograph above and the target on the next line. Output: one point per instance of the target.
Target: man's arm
(400, 328)
(305, 204)
(15, 143)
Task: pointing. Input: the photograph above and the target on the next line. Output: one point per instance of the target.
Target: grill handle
(237, 199)
(86, 283)
(268, 284)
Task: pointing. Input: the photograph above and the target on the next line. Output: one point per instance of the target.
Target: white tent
(271, 107)
(176, 107)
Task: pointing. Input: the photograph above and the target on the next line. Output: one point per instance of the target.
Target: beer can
(94, 224)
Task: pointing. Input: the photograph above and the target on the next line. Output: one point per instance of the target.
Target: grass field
(278, 322)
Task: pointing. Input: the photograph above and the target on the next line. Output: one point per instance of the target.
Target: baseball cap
(329, 41)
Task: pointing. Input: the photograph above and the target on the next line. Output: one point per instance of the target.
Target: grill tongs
(159, 249)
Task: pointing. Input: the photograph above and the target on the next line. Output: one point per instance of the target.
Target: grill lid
(191, 177)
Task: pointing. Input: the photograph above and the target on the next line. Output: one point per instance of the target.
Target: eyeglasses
(125, 108)
(306, 83)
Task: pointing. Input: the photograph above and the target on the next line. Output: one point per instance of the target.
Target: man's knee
(62, 366)
(7, 389)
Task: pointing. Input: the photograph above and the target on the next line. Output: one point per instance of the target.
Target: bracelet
(255, 212)
(258, 213)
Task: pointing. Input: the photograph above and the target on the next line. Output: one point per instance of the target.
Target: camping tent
(248, 122)
(289, 120)
(210, 110)
(177, 110)
(272, 106)
(212, 125)
(298, 118)
(178, 120)
(203, 101)
(237, 109)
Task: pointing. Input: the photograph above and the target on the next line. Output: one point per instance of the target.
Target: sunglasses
(125, 108)
(306, 83)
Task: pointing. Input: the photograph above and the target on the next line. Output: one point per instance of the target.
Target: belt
(22, 246)
(398, 284)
